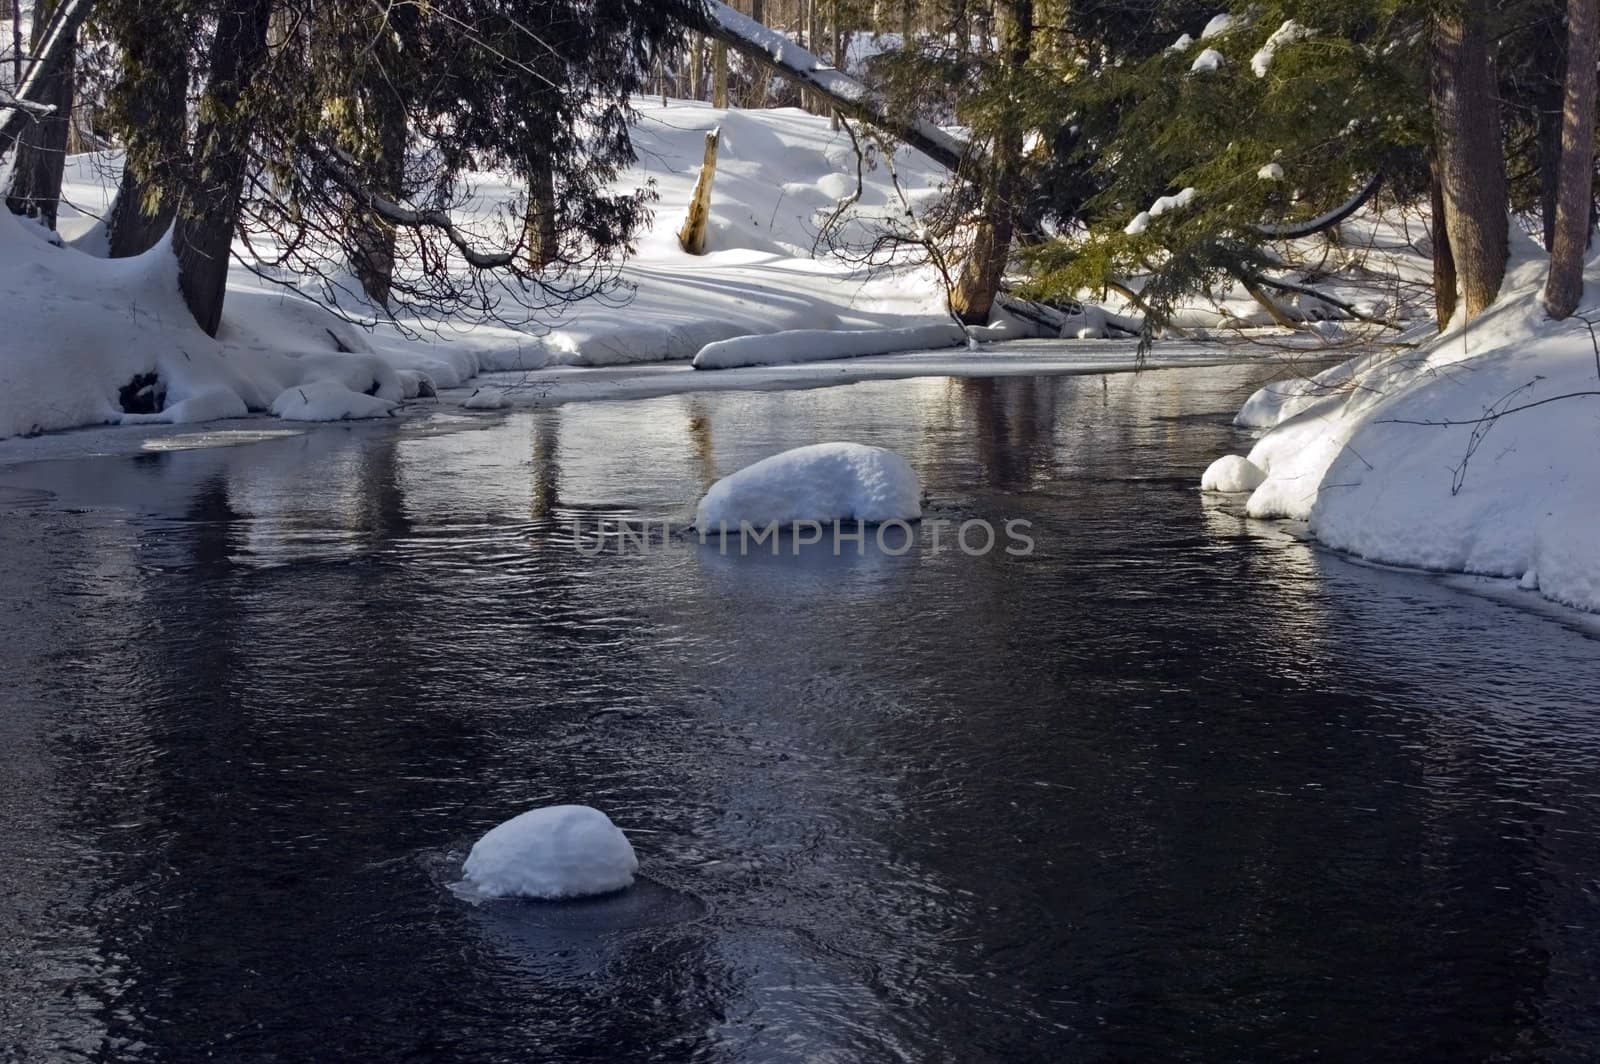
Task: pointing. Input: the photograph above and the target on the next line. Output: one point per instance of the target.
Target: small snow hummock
(329, 401)
(1140, 223)
(1218, 25)
(1287, 33)
(1232, 474)
(553, 852)
(1270, 172)
(486, 398)
(1181, 44)
(1207, 62)
(823, 482)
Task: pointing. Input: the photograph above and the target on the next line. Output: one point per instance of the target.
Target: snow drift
(823, 482)
(553, 852)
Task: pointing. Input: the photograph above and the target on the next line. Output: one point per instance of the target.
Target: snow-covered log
(772, 49)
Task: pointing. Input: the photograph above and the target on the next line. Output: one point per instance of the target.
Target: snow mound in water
(1232, 473)
(329, 401)
(556, 851)
(823, 482)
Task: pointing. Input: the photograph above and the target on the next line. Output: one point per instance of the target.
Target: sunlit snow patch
(823, 482)
(556, 851)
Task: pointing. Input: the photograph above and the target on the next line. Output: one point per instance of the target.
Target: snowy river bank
(1175, 781)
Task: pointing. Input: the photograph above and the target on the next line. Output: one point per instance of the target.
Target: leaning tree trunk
(982, 270)
(42, 148)
(1472, 172)
(1564, 287)
(202, 236)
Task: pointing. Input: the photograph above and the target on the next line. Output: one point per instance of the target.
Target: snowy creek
(1176, 785)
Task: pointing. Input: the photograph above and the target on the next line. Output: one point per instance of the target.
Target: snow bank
(815, 345)
(554, 852)
(1391, 457)
(824, 482)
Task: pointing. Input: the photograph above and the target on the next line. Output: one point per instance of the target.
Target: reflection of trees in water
(1013, 425)
(545, 493)
(704, 447)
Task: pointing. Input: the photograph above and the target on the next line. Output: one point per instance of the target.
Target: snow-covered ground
(1478, 452)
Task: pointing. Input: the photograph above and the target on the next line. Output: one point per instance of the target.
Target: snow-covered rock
(1232, 474)
(815, 345)
(1207, 62)
(823, 482)
(1218, 25)
(553, 852)
(329, 401)
(486, 398)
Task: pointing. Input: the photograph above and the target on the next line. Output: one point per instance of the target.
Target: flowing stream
(1176, 785)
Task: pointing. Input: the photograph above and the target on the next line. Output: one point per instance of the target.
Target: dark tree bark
(978, 281)
(1575, 199)
(202, 236)
(42, 148)
(1444, 262)
(1471, 158)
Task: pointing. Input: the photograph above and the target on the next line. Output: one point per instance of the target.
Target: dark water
(1175, 787)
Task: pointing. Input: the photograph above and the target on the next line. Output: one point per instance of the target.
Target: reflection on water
(1175, 786)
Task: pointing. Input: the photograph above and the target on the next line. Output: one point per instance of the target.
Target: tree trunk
(984, 268)
(1471, 157)
(42, 148)
(759, 76)
(1444, 262)
(541, 223)
(373, 237)
(1564, 287)
(202, 236)
(719, 75)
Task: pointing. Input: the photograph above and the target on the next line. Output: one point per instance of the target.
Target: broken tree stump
(692, 237)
